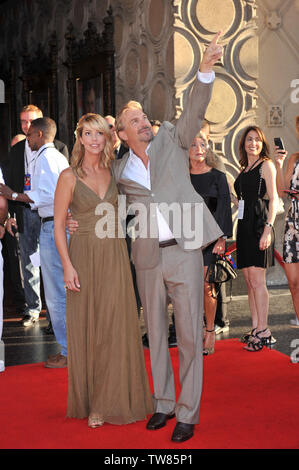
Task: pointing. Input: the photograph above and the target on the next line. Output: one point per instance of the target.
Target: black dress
(213, 188)
(248, 252)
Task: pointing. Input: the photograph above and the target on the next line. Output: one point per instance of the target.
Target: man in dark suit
(18, 172)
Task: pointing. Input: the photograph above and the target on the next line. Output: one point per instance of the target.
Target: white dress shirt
(46, 168)
(136, 171)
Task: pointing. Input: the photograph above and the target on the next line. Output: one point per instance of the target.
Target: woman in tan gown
(107, 379)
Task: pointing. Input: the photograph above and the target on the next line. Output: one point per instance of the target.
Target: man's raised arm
(190, 120)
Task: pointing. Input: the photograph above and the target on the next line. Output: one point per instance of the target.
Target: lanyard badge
(27, 182)
(241, 209)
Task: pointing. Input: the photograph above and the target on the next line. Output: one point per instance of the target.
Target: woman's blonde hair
(95, 121)
(210, 157)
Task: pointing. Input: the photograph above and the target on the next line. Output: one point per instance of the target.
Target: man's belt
(166, 243)
(47, 219)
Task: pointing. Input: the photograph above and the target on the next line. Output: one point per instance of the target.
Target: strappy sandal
(256, 342)
(95, 422)
(208, 351)
(268, 341)
(245, 338)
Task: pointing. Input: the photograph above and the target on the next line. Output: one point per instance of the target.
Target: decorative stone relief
(275, 116)
(273, 20)
(278, 67)
(144, 55)
(233, 102)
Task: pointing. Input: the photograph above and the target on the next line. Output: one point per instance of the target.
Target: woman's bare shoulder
(67, 175)
(294, 157)
(269, 166)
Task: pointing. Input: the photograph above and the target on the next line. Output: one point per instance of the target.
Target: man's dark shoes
(49, 329)
(145, 341)
(172, 341)
(182, 432)
(158, 421)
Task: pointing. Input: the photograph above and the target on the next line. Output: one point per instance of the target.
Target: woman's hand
(10, 224)
(219, 247)
(279, 156)
(265, 240)
(71, 280)
(71, 224)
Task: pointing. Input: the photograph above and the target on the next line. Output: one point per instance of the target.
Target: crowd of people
(63, 208)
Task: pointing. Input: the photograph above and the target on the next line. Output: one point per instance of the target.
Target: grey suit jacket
(193, 225)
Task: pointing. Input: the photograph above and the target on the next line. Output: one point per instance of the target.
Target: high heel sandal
(95, 422)
(256, 343)
(245, 338)
(211, 350)
(268, 341)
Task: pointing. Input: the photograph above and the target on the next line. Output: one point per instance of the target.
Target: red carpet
(250, 401)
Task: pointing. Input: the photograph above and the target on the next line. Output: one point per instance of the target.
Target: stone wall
(278, 86)
(24, 24)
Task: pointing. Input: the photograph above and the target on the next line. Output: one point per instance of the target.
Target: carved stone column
(159, 45)
(233, 103)
(278, 75)
(144, 55)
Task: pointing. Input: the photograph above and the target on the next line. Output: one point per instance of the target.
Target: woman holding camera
(288, 180)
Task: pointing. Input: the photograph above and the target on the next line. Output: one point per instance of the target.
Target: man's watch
(14, 196)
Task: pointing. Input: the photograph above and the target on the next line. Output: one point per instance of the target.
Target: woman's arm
(62, 200)
(290, 169)
(223, 213)
(269, 175)
(279, 157)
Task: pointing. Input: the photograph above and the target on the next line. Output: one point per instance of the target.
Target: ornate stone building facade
(152, 56)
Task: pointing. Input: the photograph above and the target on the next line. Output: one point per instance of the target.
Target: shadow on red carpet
(249, 401)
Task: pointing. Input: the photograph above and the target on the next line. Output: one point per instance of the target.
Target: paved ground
(32, 344)
(281, 311)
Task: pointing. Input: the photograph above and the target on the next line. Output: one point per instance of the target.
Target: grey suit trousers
(179, 274)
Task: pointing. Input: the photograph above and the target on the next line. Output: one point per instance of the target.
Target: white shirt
(46, 168)
(1, 177)
(136, 171)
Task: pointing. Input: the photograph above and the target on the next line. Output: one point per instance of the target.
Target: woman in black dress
(255, 251)
(212, 185)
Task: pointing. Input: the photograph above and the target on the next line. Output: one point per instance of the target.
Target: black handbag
(220, 271)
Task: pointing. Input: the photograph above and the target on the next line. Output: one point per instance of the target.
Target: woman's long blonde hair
(95, 121)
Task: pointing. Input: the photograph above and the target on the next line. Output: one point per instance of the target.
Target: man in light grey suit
(167, 253)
